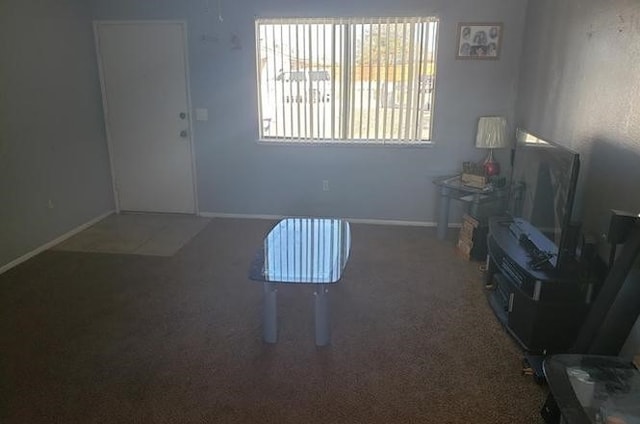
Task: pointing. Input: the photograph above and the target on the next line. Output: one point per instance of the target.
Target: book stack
(473, 175)
(473, 180)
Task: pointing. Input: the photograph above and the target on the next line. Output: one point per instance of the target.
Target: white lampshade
(492, 133)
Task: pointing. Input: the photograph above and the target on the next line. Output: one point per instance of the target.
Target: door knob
(182, 115)
(183, 133)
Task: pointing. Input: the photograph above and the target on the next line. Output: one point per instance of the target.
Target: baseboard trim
(392, 222)
(352, 220)
(238, 216)
(53, 242)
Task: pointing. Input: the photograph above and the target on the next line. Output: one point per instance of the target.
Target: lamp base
(491, 167)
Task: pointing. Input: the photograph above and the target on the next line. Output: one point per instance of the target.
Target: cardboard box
(472, 238)
(466, 218)
(464, 248)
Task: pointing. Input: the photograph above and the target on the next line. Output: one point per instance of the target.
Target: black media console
(541, 306)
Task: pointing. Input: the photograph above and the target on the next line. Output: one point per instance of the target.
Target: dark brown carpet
(101, 338)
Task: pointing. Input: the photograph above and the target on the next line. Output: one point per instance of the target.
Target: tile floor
(136, 234)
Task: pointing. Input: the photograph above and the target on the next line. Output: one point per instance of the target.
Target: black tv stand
(541, 306)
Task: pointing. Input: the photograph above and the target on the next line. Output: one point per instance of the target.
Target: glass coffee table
(302, 251)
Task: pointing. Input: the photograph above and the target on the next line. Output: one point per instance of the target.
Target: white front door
(145, 96)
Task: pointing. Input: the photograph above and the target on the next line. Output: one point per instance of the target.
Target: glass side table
(594, 389)
(451, 187)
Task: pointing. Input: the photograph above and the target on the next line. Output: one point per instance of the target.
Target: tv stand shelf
(541, 306)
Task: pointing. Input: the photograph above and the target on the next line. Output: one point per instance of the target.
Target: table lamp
(492, 134)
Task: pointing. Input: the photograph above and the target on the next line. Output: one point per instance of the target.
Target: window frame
(428, 47)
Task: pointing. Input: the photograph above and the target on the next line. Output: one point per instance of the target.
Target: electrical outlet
(50, 204)
(325, 185)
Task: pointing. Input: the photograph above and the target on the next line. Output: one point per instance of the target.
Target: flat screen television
(544, 178)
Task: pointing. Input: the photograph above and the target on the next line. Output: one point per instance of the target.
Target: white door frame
(183, 27)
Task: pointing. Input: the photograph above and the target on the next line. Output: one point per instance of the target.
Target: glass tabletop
(303, 250)
(594, 389)
(454, 182)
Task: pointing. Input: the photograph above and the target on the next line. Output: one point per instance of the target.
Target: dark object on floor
(550, 411)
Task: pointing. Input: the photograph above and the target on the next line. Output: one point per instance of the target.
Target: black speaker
(598, 334)
(620, 226)
(619, 319)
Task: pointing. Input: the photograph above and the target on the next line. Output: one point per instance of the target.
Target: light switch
(202, 114)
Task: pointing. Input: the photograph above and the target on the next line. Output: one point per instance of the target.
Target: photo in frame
(479, 40)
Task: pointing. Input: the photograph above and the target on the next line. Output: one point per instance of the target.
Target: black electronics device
(543, 186)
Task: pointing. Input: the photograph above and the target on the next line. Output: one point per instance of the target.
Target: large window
(364, 80)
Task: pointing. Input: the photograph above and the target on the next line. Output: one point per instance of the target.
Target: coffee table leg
(443, 216)
(323, 332)
(269, 320)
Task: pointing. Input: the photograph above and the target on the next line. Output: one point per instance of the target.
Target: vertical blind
(346, 80)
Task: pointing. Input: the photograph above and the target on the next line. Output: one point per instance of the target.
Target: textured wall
(580, 86)
(52, 145)
(237, 175)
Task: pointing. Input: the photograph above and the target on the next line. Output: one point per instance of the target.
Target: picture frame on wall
(479, 40)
